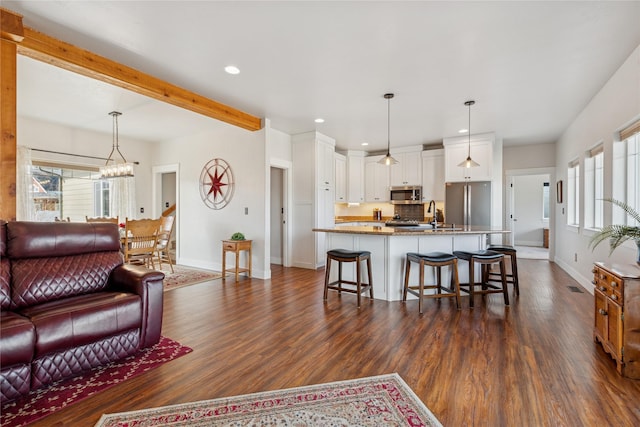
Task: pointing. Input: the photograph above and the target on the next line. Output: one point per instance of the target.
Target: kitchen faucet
(433, 222)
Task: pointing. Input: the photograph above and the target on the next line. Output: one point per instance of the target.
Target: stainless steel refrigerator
(468, 203)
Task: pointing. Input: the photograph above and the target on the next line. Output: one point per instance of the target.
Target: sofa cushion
(39, 280)
(81, 320)
(54, 239)
(17, 338)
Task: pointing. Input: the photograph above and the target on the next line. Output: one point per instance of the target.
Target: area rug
(384, 400)
(186, 276)
(46, 401)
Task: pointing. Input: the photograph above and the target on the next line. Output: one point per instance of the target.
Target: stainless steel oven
(406, 195)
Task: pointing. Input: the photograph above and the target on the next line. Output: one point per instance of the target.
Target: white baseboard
(577, 276)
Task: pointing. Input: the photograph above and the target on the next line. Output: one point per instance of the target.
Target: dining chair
(102, 219)
(140, 240)
(164, 241)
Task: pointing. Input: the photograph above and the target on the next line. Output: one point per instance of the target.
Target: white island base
(388, 257)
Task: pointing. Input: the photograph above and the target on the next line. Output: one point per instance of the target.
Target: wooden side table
(236, 246)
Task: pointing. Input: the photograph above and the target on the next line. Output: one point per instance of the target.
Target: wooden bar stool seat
(486, 259)
(437, 260)
(342, 256)
(510, 251)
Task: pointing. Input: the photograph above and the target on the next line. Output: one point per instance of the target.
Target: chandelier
(116, 167)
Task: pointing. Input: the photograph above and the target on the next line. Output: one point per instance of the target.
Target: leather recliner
(69, 304)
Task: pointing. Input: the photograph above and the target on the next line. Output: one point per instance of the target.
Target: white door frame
(156, 197)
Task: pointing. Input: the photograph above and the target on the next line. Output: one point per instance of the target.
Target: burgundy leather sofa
(68, 303)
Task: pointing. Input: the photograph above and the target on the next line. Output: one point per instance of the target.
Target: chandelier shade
(116, 167)
(388, 160)
(469, 162)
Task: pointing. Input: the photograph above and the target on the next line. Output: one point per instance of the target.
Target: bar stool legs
(343, 255)
(437, 260)
(485, 259)
(512, 278)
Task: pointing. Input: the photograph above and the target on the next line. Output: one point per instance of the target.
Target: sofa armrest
(148, 284)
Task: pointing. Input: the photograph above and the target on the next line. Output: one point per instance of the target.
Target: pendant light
(388, 160)
(119, 168)
(468, 162)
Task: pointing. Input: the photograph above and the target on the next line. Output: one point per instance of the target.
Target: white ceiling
(530, 66)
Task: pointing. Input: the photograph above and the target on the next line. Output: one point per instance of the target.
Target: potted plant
(618, 234)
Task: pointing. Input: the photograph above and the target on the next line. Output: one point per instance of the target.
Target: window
(73, 192)
(594, 188)
(573, 193)
(626, 173)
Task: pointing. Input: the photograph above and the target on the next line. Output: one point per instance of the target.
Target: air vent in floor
(575, 289)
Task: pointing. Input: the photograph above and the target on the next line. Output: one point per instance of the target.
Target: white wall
(529, 156)
(49, 136)
(614, 105)
(202, 229)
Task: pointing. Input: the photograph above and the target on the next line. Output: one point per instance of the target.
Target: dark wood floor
(533, 363)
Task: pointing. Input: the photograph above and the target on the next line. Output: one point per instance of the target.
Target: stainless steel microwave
(406, 195)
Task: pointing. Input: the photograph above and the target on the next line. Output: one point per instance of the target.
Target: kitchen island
(389, 246)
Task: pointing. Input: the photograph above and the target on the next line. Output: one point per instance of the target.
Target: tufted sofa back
(5, 290)
(49, 261)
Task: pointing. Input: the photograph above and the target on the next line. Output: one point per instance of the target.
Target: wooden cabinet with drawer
(617, 314)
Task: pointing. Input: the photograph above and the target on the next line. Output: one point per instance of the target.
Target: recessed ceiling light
(319, 120)
(463, 131)
(365, 143)
(232, 69)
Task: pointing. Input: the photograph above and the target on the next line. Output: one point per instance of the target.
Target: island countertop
(418, 230)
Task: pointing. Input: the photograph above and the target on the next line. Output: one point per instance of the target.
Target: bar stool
(510, 251)
(344, 255)
(485, 258)
(437, 260)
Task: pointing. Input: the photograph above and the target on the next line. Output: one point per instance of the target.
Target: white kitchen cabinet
(341, 178)
(355, 176)
(313, 197)
(376, 180)
(326, 162)
(456, 150)
(433, 175)
(408, 170)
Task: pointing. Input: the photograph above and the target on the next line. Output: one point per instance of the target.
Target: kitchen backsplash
(365, 210)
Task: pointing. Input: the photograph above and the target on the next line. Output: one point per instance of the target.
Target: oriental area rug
(186, 276)
(45, 401)
(384, 400)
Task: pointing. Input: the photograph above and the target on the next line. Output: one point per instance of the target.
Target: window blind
(630, 130)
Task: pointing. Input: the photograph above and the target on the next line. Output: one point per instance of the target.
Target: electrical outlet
(166, 204)
(246, 211)
(575, 257)
(141, 210)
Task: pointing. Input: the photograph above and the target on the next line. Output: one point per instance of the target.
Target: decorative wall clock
(216, 184)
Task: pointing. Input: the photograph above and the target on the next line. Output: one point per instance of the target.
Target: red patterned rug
(46, 401)
(384, 400)
(186, 276)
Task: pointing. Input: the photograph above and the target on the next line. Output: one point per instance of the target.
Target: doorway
(529, 211)
(165, 198)
(277, 215)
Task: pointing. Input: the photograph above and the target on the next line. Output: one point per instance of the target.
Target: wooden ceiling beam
(44, 48)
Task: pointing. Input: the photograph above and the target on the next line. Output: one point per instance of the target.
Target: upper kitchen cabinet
(326, 161)
(376, 180)
(355, 176)
(341, 178)
(433, 175)
(408, 170)
(482, 152)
